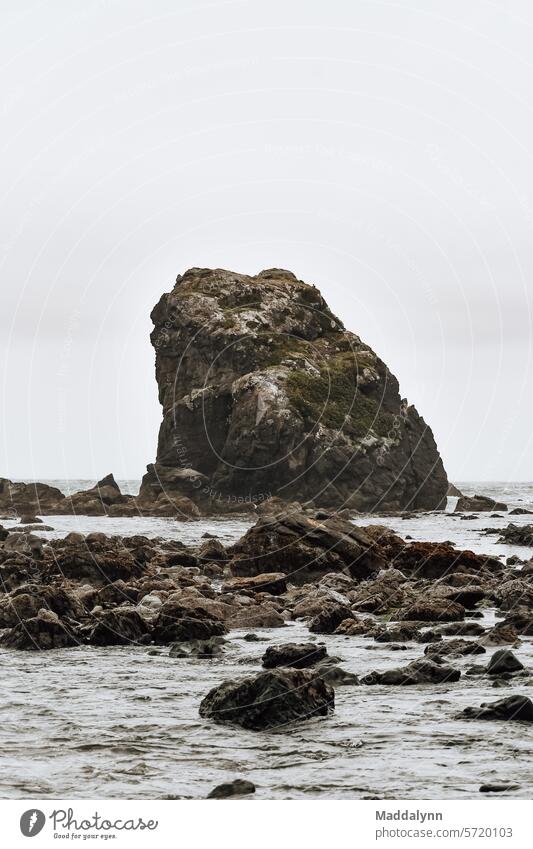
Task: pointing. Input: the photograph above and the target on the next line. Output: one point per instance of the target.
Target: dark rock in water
(95, 558)
(239, 787)
(297, 655)
(213, 647)
(478, 504)
(422, 671)
(503, 661)
(264, 393)
(432, 560)
(176, 623)
(97, 501)
(274, 583)
(329, 619)
(306, 549)
(517, 534)
(30, 519)
(336, 676)
(519, 708)
(520, 511)
(25, 499)
(497, 788)
(269, 700)
(45, 631)
(118, 627)
(454, 648)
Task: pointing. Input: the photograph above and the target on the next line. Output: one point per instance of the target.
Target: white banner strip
(262, 824)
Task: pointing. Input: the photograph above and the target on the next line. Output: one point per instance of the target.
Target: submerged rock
(265, 394)
(517, 534)
(422, 671)
(497, 788)
(519, 708)
(239, 787)
(503, 661)
(213, 647)
(297, 655)
(335, 675)
(269, 700)
(454, 648)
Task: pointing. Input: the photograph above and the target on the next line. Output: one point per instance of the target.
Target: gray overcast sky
(381, 150)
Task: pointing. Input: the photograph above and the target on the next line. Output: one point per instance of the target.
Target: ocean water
(120, 723)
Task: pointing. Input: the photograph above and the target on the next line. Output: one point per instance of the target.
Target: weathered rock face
(421, 671)
(265, 394)
(25, 499)
(478, 504)
(271, 699)
(519, 708)
(305, 549)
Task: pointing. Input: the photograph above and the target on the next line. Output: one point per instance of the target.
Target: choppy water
(118, 722)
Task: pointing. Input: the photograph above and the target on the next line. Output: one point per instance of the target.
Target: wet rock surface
(239, 787)
(513, 708)
(298, 655)
(478, 504)
(271, 699)
(418, 672)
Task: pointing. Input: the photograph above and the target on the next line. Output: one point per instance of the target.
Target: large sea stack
(265, 394)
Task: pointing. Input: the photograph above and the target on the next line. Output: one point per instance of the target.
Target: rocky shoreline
(323, 571)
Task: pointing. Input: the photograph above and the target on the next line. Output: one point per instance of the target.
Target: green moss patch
(332, 396)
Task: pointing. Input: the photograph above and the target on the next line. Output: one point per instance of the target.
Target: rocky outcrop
(265, 394)
(297, 655)
(28, 499)
(478, 504)
(518, 708)
(517, 535)
(504, 661)
(105, 498)
(230, 789)
(305, 549)
(271, 699)
(423, 671)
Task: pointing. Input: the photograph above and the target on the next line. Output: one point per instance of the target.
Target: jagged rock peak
(264, 393)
